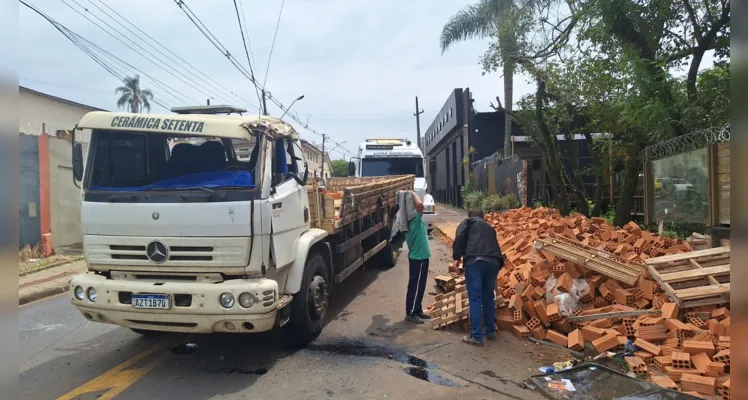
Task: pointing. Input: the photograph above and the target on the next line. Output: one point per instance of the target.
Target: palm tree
(132, 96)
(489, 18)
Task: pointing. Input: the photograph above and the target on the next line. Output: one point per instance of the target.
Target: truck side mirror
(351, 168)
(77, 161)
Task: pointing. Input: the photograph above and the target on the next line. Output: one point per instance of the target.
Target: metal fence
(501, 175)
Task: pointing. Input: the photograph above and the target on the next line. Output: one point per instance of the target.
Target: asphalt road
(365, 351)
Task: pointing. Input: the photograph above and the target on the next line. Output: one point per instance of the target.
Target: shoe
(413, 318)
(423, 315)
(471, 341)
(491, 337)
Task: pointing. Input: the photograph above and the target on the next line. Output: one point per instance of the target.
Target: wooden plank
(617, 314)
(686, 256)
(695, 273)
(698, 292)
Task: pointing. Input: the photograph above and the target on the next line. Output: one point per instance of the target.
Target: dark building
(447, 142)
(458, 127)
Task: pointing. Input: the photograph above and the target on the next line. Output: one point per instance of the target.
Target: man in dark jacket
(475, 241)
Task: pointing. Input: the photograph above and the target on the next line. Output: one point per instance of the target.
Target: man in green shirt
(418, 258)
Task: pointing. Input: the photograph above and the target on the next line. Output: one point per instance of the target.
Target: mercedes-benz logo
(155, 215)
(157, 251)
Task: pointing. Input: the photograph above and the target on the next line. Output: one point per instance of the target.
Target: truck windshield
(392, 166)
(144, 161)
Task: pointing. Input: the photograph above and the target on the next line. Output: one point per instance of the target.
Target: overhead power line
(100, 56)
(218, 45)
(246, 51)
(182, 62)
(275, 35)
(154, 59)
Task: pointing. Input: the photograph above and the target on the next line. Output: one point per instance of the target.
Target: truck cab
(384, 157)
(201, 223)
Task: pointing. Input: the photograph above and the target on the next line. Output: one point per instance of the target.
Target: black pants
(419, 274)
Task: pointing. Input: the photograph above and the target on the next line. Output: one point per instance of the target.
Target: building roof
(60, 99)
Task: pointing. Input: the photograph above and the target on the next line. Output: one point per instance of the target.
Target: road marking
(120, 378)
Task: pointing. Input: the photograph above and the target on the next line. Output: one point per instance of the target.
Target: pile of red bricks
(687, 348)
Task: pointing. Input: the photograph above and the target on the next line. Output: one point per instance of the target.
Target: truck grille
(117, 250)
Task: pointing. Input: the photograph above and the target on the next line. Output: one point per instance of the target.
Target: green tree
(132, 96)
(504, 20)
(340, 168)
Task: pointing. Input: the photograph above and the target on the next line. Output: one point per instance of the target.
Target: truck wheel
(385, 258)
(309, 306)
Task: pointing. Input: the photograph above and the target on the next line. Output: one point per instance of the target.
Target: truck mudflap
(178, 306)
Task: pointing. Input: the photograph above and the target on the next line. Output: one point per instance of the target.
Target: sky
(359, 64)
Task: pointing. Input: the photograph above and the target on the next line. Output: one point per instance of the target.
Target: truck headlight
(78, 293)
(226, 300)
(91, 294)
(246, 300)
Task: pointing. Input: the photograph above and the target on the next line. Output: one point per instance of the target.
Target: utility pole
(264, 104)
(324, 137)
(417, 114)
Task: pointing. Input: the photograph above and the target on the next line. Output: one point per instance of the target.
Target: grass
(31, 259)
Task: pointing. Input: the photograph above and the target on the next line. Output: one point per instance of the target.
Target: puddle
(362, 350)
(429, 376)
(187, 348)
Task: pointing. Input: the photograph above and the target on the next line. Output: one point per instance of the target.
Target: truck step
(284, 300)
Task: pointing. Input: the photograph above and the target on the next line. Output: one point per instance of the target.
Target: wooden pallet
(453, 307)
(694, 279)
(608, 264)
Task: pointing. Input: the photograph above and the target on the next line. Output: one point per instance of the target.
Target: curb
(53, 265)
(42, 294)
(442, 236)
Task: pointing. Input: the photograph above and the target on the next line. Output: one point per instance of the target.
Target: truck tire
(309, 305)
(385, 258)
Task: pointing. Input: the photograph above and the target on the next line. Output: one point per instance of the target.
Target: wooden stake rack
(694, 279)
(597, 260)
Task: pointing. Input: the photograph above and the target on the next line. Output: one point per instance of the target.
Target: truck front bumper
(194, 307)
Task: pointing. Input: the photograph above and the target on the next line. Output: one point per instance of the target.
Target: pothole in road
(429, 376)
(419, 368)
(364, 350)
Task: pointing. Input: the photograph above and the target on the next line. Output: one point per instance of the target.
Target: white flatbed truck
(190, 237)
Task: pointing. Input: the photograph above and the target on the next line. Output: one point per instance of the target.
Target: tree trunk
(599, 190)
(549, 148)
(508, 97)
(630, 179)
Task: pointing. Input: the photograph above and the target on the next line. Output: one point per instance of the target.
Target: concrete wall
(29, 227)
(65, 196)
(37, 112)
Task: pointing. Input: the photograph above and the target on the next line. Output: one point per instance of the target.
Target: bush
(473, 200)
(492, 203)
(512, 201)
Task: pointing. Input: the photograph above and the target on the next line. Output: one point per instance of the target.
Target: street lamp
(289, 107)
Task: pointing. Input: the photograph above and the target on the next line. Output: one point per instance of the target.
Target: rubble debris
(569, 281)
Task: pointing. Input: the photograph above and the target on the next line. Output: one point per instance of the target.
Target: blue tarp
(209, 180)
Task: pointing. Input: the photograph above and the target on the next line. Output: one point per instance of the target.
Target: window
(392, 166)
(286, 163)
(146, 161)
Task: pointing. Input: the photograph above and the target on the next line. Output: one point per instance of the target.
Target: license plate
(157, 301)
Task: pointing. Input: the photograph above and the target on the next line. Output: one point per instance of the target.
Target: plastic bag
(567, 302)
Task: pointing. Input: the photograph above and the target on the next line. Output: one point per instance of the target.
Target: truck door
(289, 205)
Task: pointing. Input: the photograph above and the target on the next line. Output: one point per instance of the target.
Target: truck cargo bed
(344, 200)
